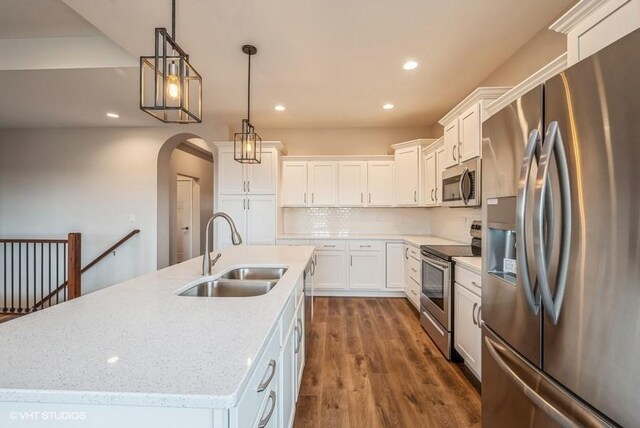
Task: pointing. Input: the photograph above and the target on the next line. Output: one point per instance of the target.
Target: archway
(166, 196)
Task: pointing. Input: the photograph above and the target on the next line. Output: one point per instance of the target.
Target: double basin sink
(240, 282)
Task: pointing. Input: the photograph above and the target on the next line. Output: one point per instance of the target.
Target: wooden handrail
(61, 287)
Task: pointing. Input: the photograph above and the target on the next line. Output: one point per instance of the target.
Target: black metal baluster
(49, 277)
(57, 274)
(42, 274)
(26, 272)
(13, 306)
(64, 264)
(35, 279)
(19, 277)
(4, 256)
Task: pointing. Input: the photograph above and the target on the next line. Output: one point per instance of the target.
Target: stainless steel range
(436, 301)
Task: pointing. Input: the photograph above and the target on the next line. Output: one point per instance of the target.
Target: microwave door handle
(522, 257)
(464, 174)
(553, 145)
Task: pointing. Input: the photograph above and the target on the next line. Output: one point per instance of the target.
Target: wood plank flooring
(8, 317)
(370, 364)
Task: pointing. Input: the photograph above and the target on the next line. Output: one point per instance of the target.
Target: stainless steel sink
(230, 288)
(258, 273)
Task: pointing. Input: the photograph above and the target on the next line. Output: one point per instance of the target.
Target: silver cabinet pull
(299, 332)
(415, 196)
(265, 420)
(351, 262)
(244, 185)
(478, 316)
(414, 269)
(312, 194)
(369, 197)
(365, 246)
(475, 284)
(432, 192)
(453, 152)
(248, 186)
(265, 383)
(328, 246)
(473, 314)
(553, 144)
(244, 204)
(406, 253)
(361, 198)
(248, 204)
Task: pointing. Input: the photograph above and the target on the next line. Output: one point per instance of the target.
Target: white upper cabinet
(261, 220)
(451, 143)
(236, 207)
(294, 184)
(407, 176)
(379, 183)
(322, 186)
(594, 24)
(440, 161)
(352, 183)
(430, 172)
(235, 178)
(470, 141)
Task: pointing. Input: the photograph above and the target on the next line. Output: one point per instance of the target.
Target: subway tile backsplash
(449, 223)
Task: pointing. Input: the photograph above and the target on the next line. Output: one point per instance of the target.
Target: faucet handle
(213, 262)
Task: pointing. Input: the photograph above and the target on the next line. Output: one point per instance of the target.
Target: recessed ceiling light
(388, 106)
(113, 115)
(410, 65)
(280, 107)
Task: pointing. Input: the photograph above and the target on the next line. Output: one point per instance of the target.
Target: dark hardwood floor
(370, 364)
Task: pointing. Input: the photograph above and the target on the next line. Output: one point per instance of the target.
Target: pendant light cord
(173, 20)
(249, 91)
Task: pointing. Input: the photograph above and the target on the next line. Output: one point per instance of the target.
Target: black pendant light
(247, 145)
(170, 88)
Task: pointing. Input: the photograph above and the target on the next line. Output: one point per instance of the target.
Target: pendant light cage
(170, 88)
(247, 145)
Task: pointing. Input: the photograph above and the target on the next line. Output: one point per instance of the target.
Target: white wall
(453, 223)
(56, 181)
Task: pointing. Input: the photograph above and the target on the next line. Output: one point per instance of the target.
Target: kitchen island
(138, 354)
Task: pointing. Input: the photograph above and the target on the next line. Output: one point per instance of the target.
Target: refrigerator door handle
(496, 351)
(532, 149)
(553, 145)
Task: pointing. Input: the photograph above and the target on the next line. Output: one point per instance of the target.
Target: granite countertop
(416, 240)
(472, 263)
(138, 343)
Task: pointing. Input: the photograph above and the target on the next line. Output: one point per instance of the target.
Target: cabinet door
(270, 411)
(294, 184)
(352, 183)
(236, 207)
(451, 144)
(468, 337)
(261, 220)
(331, 270)
(231, 174)
(300, 347)
(366, 270)
(288, 376)
(440, 154)
(407, 176)
(322, 184)
(470, 131)
(380, 183)
(395, 265)
(262, 177)
(430, 172)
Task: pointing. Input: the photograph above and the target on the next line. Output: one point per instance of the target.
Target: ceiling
(331, 63)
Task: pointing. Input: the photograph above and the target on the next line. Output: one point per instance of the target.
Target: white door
(380, 183)
(262, 177)
(440, 155)
(407, 175)
(366, 270)
(231, 174)
(294, 184)
(184, 219)
(352, 183)
(468, 337)
(430, 173)
(331, 270)
(261, 220)
(395, 265)
(451, 144)
(470, 131)
(236, 207)
(322, 184)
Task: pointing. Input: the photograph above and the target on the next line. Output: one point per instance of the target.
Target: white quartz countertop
(416, 240)
(138, 343)
(472, 263)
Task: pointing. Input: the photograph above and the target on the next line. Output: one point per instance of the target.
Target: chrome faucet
(236, 239)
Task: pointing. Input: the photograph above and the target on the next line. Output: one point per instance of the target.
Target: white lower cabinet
(395, 265)
(331, 269)
(467, 326)
(412, 274)
(287, 377)
(366, 270)
(300, 348)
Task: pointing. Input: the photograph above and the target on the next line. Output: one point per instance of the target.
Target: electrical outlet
(464, 219)
(132, 218)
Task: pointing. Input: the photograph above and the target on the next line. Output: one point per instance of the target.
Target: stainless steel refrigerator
(561, 265)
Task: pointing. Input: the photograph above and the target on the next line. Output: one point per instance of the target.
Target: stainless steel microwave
(461, 185)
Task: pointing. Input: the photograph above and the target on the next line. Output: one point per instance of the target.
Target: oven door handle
(438, 265)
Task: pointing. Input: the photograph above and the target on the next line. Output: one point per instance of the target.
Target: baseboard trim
(358, 293)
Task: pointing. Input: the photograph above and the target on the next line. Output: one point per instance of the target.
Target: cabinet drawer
(262, 381)
(413, 293)
(287, 316)
(413, 252)
(299, 290)
(329, 244)
(415, 270)
(469, 280)
(364, 245)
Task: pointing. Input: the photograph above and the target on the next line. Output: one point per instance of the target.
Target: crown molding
(480, 94)
(545, 73)
(265, 144)
(578, 13)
